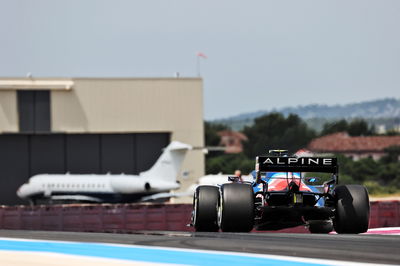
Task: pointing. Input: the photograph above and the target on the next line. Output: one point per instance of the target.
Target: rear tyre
(320, 227)
(352, 209)
(205, 209)
(237, 208)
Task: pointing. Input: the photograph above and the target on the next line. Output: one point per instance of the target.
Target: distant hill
(378, 112)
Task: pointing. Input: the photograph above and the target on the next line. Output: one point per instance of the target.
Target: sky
(261, 54)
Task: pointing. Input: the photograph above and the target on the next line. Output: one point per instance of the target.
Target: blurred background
(102, 86)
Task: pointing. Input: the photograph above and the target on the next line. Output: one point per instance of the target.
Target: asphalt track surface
(357, 248)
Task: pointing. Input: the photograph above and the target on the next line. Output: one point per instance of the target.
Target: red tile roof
(233, 134)
(342, 142)
(232, 140)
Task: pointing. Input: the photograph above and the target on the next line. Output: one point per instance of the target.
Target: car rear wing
(296, 164)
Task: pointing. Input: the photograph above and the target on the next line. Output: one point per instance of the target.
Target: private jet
(153, 184)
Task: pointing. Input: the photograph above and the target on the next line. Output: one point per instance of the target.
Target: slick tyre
(352, 209)
(237, 208)
(205, 209)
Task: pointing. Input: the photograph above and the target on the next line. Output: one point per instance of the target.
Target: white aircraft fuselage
(160, 178)
(216, 180)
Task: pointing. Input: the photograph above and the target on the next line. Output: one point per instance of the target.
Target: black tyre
(205, 209)
(352, 209)
(237, 208)
(320, 227)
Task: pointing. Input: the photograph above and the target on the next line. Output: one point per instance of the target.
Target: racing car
(285, 193)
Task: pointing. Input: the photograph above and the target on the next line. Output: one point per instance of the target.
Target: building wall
(130, 105)
(357, 156)
(122, 105)
(8, 111)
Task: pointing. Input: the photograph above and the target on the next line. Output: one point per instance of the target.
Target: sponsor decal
(309, 161)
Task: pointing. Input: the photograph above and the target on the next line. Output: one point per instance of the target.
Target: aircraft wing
(164, 195)
(76, 198)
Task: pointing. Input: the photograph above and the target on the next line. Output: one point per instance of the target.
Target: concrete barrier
(127, 218)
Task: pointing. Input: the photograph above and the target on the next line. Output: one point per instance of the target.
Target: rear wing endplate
(296, 164)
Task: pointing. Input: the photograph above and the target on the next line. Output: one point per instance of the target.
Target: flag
(199, 54)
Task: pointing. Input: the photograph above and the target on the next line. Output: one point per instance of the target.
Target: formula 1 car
(284, 195)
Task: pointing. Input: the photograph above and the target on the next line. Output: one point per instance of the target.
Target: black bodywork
(293, 206)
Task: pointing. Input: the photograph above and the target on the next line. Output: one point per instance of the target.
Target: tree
(228, 163)
(211, 133)
(359, 127)
(274, 131)
(333, 127)
(392, 154)
(364, 169)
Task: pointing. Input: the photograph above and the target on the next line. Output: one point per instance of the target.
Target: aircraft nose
(20, 191)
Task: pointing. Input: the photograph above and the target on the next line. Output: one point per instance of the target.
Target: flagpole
(198, 55)
(198, 65)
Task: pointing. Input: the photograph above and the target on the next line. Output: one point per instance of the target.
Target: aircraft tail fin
(169, 163)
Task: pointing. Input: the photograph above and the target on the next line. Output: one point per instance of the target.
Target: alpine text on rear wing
(296, 164)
